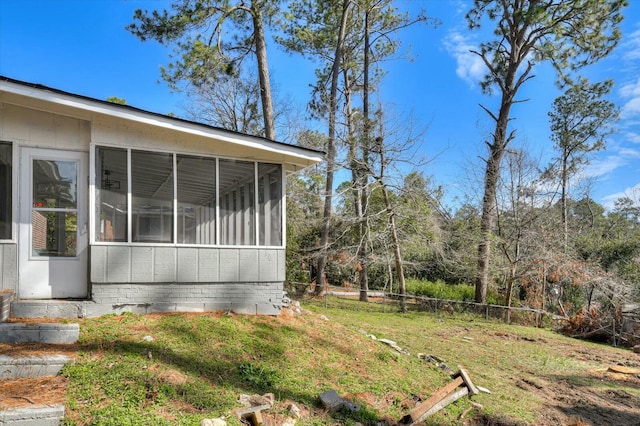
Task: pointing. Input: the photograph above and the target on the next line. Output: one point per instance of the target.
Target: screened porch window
(111, 194)
(6, 183)
(237, 202)
(186, 199)
(196, 200)
(151, 197)
(270, 204)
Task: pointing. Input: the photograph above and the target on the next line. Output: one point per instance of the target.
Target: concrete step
(52, 333)
(42, 415)
(31, 366)
(6, 296)
(49, 308)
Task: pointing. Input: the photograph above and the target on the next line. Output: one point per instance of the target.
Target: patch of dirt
(26, 392)
(38, 349)
(38, 320)
(172, 377)
(17, 393)
(597, 397)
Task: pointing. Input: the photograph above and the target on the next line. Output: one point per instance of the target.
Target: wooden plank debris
(474, 405)
(473, 390)
(451, 392)
(252, 414)
(437, 396)
(451, 398)
(623, 370)
(485, 390)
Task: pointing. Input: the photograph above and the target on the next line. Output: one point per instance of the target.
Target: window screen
(6, 183)
(151, 197)
(111, 194)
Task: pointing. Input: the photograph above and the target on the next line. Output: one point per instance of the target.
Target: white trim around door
(53, 224)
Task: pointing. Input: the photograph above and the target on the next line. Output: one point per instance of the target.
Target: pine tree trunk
(331, 151)
(563, 196)
(492, 174)
(364, 228)
(263, 71)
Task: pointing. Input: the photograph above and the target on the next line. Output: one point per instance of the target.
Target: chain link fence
(388, 302)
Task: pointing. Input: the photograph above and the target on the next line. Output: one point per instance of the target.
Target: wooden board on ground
(623, 370)
(422, 408)
(473, 390)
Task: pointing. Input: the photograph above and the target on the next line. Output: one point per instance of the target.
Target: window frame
(13, 176)
(93, 187)
(155, 220)
(209, 212)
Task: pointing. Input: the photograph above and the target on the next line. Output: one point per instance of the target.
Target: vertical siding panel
(208, 265)
(187, 265)
(142, 264)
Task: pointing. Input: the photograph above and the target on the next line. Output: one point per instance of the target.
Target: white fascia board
(301, 156)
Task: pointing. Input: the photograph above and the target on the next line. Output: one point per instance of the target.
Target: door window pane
(152, 197)
(54, 184)
(196, 200)
(111, 194)
(54, 233)
(237, 202)
(270, 204)
(6, 182)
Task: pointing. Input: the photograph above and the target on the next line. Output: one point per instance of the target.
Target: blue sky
(81, 46)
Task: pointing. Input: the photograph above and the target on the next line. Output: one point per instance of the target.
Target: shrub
(442, 290)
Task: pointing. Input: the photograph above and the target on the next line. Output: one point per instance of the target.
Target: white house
(109, 208)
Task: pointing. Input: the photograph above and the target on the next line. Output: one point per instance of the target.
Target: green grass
(441, 290)
(196, 366)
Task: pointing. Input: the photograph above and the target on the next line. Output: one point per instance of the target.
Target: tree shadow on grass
(220, 358)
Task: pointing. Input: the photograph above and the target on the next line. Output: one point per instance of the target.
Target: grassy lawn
(181, 368)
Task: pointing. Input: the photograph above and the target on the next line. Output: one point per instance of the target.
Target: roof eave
(295, 155)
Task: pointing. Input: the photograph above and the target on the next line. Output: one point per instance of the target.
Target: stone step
(31, 366)
(51, 333)
(41, 415)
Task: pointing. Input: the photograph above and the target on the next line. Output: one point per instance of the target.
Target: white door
(53, 224)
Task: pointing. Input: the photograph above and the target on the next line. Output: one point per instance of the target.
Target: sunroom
(187, 199)
(119, 209)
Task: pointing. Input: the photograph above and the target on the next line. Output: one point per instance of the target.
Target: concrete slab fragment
(334, 402)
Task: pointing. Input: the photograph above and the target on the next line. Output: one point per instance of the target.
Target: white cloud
(470, 67)
(632, 46)
(602, 167)
(461, 7)
(629, 153)
(632, 192)
(632, 137)
(630, 90)
(631, 108)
